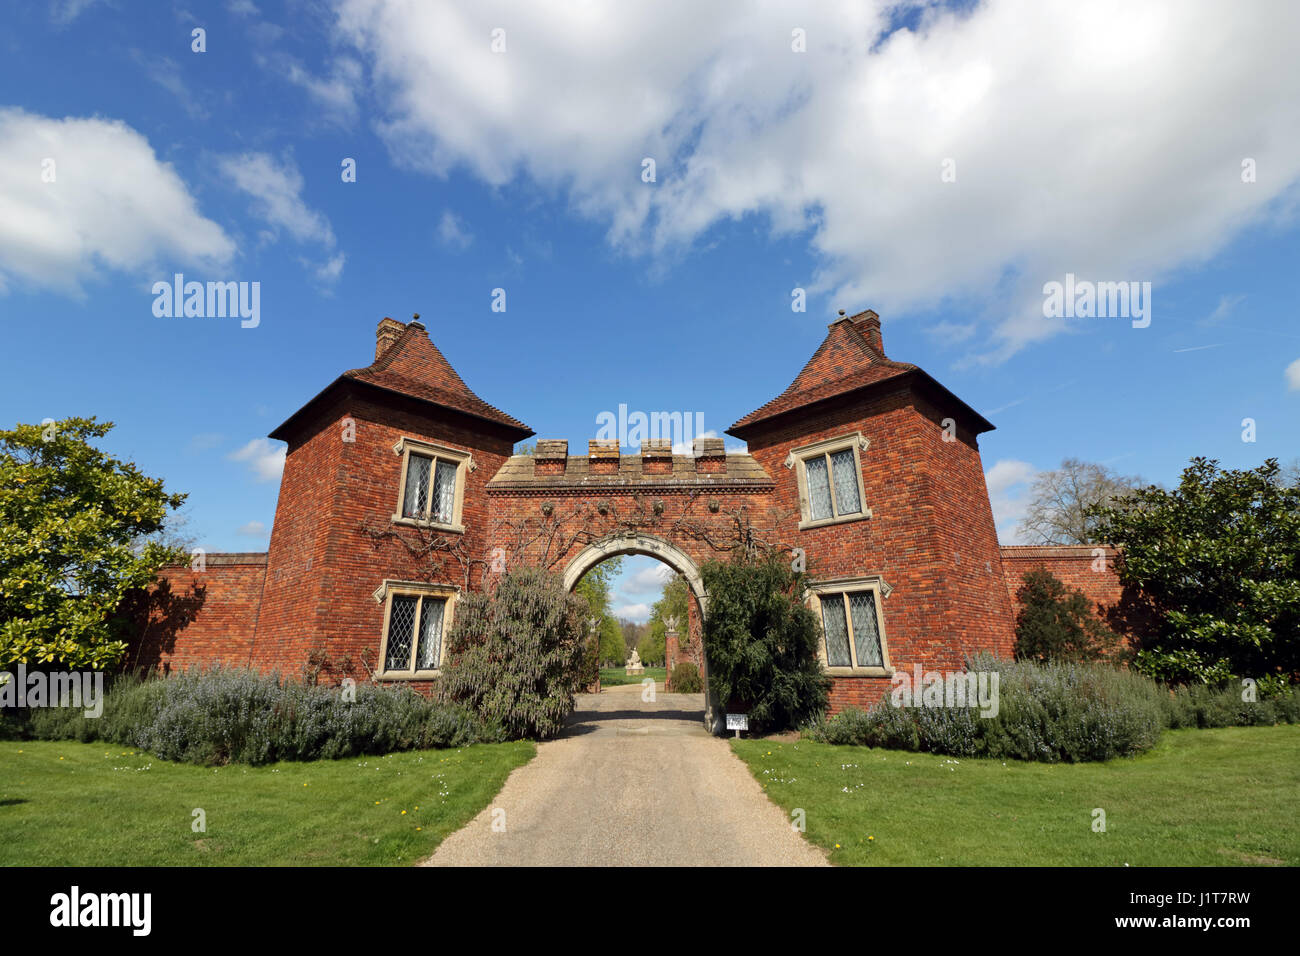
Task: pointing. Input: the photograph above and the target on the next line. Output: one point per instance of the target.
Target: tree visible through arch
(671, 555)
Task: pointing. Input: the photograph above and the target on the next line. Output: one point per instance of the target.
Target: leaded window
(413, 641)
(430, 490)
(831, 478)
(851, 629)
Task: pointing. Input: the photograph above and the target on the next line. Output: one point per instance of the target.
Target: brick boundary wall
(200, 618)
(1084, 567)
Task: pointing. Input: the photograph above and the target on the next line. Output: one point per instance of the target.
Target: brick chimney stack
(388, 332)
(868, 324)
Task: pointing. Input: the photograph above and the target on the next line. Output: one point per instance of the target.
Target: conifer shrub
(1057, 623)
(760, 643)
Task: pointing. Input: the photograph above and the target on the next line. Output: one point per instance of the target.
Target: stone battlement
(653, 465)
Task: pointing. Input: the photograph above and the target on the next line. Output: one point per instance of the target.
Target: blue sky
(1079, 140)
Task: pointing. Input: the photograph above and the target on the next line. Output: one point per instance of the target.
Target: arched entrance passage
(655, 547)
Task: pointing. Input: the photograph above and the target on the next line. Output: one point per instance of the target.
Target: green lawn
(88, 804)
(1200, 798)
(614, 676)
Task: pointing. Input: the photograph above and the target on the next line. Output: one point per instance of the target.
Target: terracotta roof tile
(844, 362)
(413, 366)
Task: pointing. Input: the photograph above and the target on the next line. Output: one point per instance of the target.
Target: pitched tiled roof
(413, 366)
(844, 362)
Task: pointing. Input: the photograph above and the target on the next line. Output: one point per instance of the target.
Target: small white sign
(738, 721)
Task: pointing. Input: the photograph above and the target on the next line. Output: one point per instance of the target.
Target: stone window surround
(384, 595)
(464, 465)
(848, 585)
(798, 456)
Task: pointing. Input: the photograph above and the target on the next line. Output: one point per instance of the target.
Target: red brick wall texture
(309, 600)
(1084, 567)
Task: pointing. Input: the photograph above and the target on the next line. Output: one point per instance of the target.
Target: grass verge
(617, 676)
(74, 804)
(1200, 798)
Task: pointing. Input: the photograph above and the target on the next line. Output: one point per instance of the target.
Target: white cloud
(452, 231)
(639, 613)
(1078, 132)
(1227, 305)
(243, 8)
(63, 12)
(326, 272)
(1293, 376)
(648, 580)
(1007, 481)
(336, 93)
(951, 333)
(254, 529)
(276, 189)
(112, 205)
(264, 458)
(167, 73)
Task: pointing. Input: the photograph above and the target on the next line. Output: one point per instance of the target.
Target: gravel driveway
(631, 783)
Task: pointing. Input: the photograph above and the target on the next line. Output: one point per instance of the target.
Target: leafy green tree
(671, 604)
(652, 649)
(760, 641)
(79, 532)
(1217, 561)
(1056, 623)
(516, 654)
(594, 588)
(612, 650)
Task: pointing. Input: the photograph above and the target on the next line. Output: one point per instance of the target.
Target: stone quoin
(401, 492)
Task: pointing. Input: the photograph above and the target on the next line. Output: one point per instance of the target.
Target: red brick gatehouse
(401, 492)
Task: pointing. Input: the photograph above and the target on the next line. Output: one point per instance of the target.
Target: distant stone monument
(634, 663)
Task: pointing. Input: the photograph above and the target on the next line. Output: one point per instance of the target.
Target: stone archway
(677, 559)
